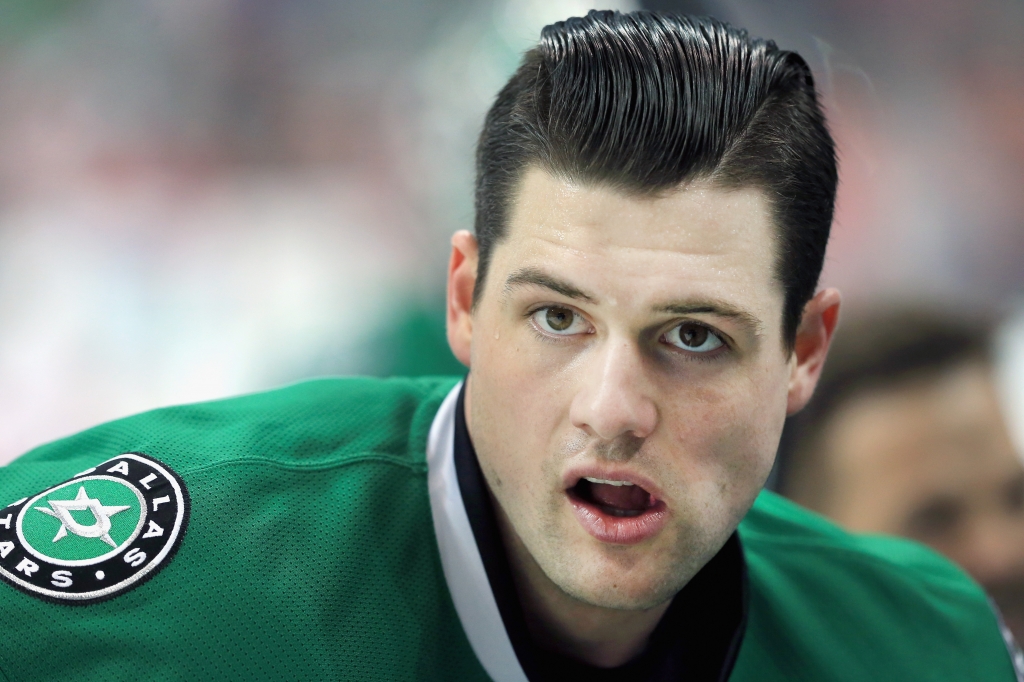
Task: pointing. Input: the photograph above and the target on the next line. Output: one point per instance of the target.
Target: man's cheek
(701, 416)
(724, 442)
(514, 374)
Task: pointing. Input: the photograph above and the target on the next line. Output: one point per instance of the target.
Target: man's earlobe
(461, 282)
(813, 336)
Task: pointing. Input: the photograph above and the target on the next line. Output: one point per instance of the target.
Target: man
(905, 436)
(638, 313)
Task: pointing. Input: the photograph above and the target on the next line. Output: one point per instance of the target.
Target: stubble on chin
(631, 578)
(618, 577)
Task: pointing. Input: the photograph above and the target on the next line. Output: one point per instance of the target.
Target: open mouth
(616, 511)
(615, 498)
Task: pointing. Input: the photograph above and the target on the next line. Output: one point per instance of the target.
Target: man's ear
(813, 337)
(461, 282)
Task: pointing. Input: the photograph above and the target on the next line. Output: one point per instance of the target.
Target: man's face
(628, 380)
(931, 459)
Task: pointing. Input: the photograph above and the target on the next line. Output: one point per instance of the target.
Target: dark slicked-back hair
(645, 101)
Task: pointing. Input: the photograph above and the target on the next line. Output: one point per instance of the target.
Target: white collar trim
(460, 558)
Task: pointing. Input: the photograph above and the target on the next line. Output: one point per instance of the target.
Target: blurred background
(209, 197)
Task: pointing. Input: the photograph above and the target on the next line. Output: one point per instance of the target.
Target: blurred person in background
(906, 436)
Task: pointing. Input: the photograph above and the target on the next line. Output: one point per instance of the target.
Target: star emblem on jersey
(97, 535)
(100, 529)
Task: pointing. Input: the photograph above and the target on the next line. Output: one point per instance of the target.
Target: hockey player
(638, 312)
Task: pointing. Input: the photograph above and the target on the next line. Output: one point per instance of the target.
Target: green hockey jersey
(316, 533)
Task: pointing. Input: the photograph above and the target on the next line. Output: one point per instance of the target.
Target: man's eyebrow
(712, 307)
(535, 277)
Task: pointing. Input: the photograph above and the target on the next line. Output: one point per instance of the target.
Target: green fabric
(310, 555)
(828, 605)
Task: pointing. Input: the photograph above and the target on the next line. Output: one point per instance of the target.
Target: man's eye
(559, 321)
(695, 338)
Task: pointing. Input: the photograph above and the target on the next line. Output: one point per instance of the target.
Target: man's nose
(614, 396)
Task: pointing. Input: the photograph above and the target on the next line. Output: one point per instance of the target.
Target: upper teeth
(601, 480)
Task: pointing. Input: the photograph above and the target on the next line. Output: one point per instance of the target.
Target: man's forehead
(698, 241)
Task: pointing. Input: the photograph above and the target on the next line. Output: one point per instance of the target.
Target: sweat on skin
(615, 393)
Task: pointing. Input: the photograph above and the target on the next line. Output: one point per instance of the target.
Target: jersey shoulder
(315, 423)
(297, 542)
(829, 604)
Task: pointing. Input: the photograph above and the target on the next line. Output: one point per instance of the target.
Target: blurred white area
(199, 199)
(1009, 370)
(119, 301)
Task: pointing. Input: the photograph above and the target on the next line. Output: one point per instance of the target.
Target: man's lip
(608, 528)
(573, 475)
(617, 530)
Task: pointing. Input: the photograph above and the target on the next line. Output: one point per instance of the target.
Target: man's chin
(604, 584)
(620, 595)
(634, 577)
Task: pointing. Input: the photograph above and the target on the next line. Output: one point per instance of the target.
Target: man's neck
(598, 636)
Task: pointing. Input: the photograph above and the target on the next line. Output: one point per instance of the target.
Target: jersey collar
(460, 558)
(698, 638)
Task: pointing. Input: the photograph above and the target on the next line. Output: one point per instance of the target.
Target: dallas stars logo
(100, 529)
(97, 535)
